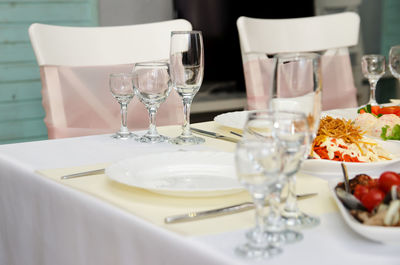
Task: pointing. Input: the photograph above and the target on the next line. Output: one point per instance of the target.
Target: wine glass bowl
(152, 84)
(297, 86)
(373, 68)
(121, 88)
(394, 61)
(187, 67)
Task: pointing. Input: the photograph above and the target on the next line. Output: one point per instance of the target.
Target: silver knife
(214, 135)
(192, 216)
(85, 173)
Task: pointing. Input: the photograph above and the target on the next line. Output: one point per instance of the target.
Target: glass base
(187, 140)
(300, 220)
(278, 238)
(124, 135)
(290, 236)
(153, 139)
(250, 251)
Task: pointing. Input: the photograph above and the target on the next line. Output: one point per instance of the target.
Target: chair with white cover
(75, 63)
(329, 35)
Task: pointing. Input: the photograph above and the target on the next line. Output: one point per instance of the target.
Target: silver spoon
(348, 199)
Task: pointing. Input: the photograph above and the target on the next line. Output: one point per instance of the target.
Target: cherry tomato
(360, 191)
(372, 198)
(373, 183)
(388, 179)
(390, 110)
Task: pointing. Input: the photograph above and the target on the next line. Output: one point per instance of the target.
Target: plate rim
(179, 191)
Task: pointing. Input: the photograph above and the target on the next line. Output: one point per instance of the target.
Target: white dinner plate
(235, 119)
(331, 169)
(180, 173)
(348, 114)
(387, 235)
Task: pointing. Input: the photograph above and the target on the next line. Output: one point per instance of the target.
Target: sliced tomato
(390, 110)
(375, 110)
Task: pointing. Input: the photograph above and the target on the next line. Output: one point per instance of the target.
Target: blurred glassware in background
(187, 67)
(373, 68)
(152, 84)
(297, 87)
(121, 88)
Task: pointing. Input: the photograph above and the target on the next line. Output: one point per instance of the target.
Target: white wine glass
(394, 61)
(152, 84)
(297, 87)
(258, 160)
(187, 67)
(121, 88)
(373, 68)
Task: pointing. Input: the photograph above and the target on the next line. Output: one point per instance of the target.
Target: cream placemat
(155, 207)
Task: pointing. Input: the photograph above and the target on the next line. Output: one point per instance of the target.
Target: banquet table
(95, 220)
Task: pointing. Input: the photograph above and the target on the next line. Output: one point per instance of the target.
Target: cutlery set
(192, 216)
(214, 135)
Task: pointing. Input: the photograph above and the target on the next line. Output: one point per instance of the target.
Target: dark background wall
(217, 20)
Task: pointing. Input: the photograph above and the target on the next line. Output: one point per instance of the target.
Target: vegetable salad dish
(340, 140)
(379, 121)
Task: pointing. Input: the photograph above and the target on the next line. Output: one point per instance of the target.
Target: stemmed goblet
(258, 160)
(291, 129)
(122, 90)
(394, 61)
(373, 68)
(152, 84)
(297, 87)
(187, 67)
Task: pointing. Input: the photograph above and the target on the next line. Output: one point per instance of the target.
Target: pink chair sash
(77, 101)
(338, 90)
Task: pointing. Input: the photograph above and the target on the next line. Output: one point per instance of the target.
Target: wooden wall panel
(21, 111)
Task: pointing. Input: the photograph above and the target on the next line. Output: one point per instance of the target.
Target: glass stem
(187, 102)
(259, 201)
(274, 217)
(124, 108)
(291, 201)
(372, 90)
(152, 117)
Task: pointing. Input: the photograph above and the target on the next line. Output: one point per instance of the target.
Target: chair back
(75, 64)
(329, 35)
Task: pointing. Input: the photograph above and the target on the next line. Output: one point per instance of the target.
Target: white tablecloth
(44, 222)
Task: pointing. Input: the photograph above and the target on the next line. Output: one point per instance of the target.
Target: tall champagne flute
(297, 86)
(258, 165)
(152, 84)
(187, 67)
(121, 88)
(373, 68)
(394, 61)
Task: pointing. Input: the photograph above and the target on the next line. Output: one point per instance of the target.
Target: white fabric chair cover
(329, 35)
(75, 64)
(78, 101)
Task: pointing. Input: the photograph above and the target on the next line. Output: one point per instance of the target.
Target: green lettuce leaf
(395, 135)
